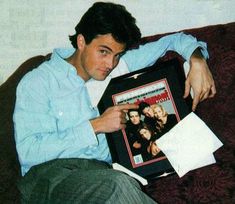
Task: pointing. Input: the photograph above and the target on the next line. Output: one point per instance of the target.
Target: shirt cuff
(192, 47)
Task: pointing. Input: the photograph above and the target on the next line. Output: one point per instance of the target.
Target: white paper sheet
(189, 145)
(119, 167)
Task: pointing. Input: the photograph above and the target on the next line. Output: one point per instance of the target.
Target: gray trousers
(79, 181)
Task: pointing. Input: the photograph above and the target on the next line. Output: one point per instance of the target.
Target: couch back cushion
(9, 164)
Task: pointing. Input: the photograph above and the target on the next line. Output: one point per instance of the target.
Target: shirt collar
(58, 60)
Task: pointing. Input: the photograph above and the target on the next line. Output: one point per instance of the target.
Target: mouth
(105, 71)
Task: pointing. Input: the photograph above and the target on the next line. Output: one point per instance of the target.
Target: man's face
(148, 111)
(98, 58)
(134, 117)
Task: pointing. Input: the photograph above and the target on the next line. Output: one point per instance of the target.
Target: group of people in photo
(144, 126)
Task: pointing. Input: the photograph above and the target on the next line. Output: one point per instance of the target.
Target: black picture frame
(164, 82)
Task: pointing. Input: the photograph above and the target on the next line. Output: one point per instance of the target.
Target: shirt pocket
(65, 110)
(71, 110)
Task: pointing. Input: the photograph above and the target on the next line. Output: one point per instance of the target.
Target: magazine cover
(158, 90)
(157, 115)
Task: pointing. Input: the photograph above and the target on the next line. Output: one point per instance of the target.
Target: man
(60, 136)
(146, 110)
(132, 126)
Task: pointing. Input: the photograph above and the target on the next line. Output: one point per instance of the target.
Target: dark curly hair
(131, 110)
(107, 18)
(142, 106)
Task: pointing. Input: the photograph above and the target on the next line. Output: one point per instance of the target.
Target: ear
(81, 41)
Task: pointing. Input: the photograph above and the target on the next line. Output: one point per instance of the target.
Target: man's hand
(200, 79)
(113, 119)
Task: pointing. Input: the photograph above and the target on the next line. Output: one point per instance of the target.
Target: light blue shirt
(53, 108)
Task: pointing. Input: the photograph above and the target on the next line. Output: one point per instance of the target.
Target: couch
(211, 184)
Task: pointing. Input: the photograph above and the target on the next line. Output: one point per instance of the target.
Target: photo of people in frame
(156, 116)
(132, 126)
(164, 120)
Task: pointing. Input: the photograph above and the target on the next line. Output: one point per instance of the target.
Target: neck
(74, 60)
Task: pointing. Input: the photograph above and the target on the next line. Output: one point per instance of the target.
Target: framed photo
(158, 90)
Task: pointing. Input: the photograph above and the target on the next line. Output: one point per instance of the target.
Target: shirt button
(60, 113)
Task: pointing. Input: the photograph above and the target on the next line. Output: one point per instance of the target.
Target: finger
(187, 89)
(196, 100)
(207, 92)
(212, 91)
(127, 106)
(204, 95)
(123, 120)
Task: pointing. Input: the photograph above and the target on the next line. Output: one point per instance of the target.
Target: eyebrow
(108, 48)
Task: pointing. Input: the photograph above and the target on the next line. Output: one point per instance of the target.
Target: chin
(101, 78)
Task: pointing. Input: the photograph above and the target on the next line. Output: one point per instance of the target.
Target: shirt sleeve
(147, 55)
(38, 138)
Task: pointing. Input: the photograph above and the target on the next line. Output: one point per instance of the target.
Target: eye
(103, 52)
(118, 56)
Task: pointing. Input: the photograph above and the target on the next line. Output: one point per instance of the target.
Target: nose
(111, 63)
